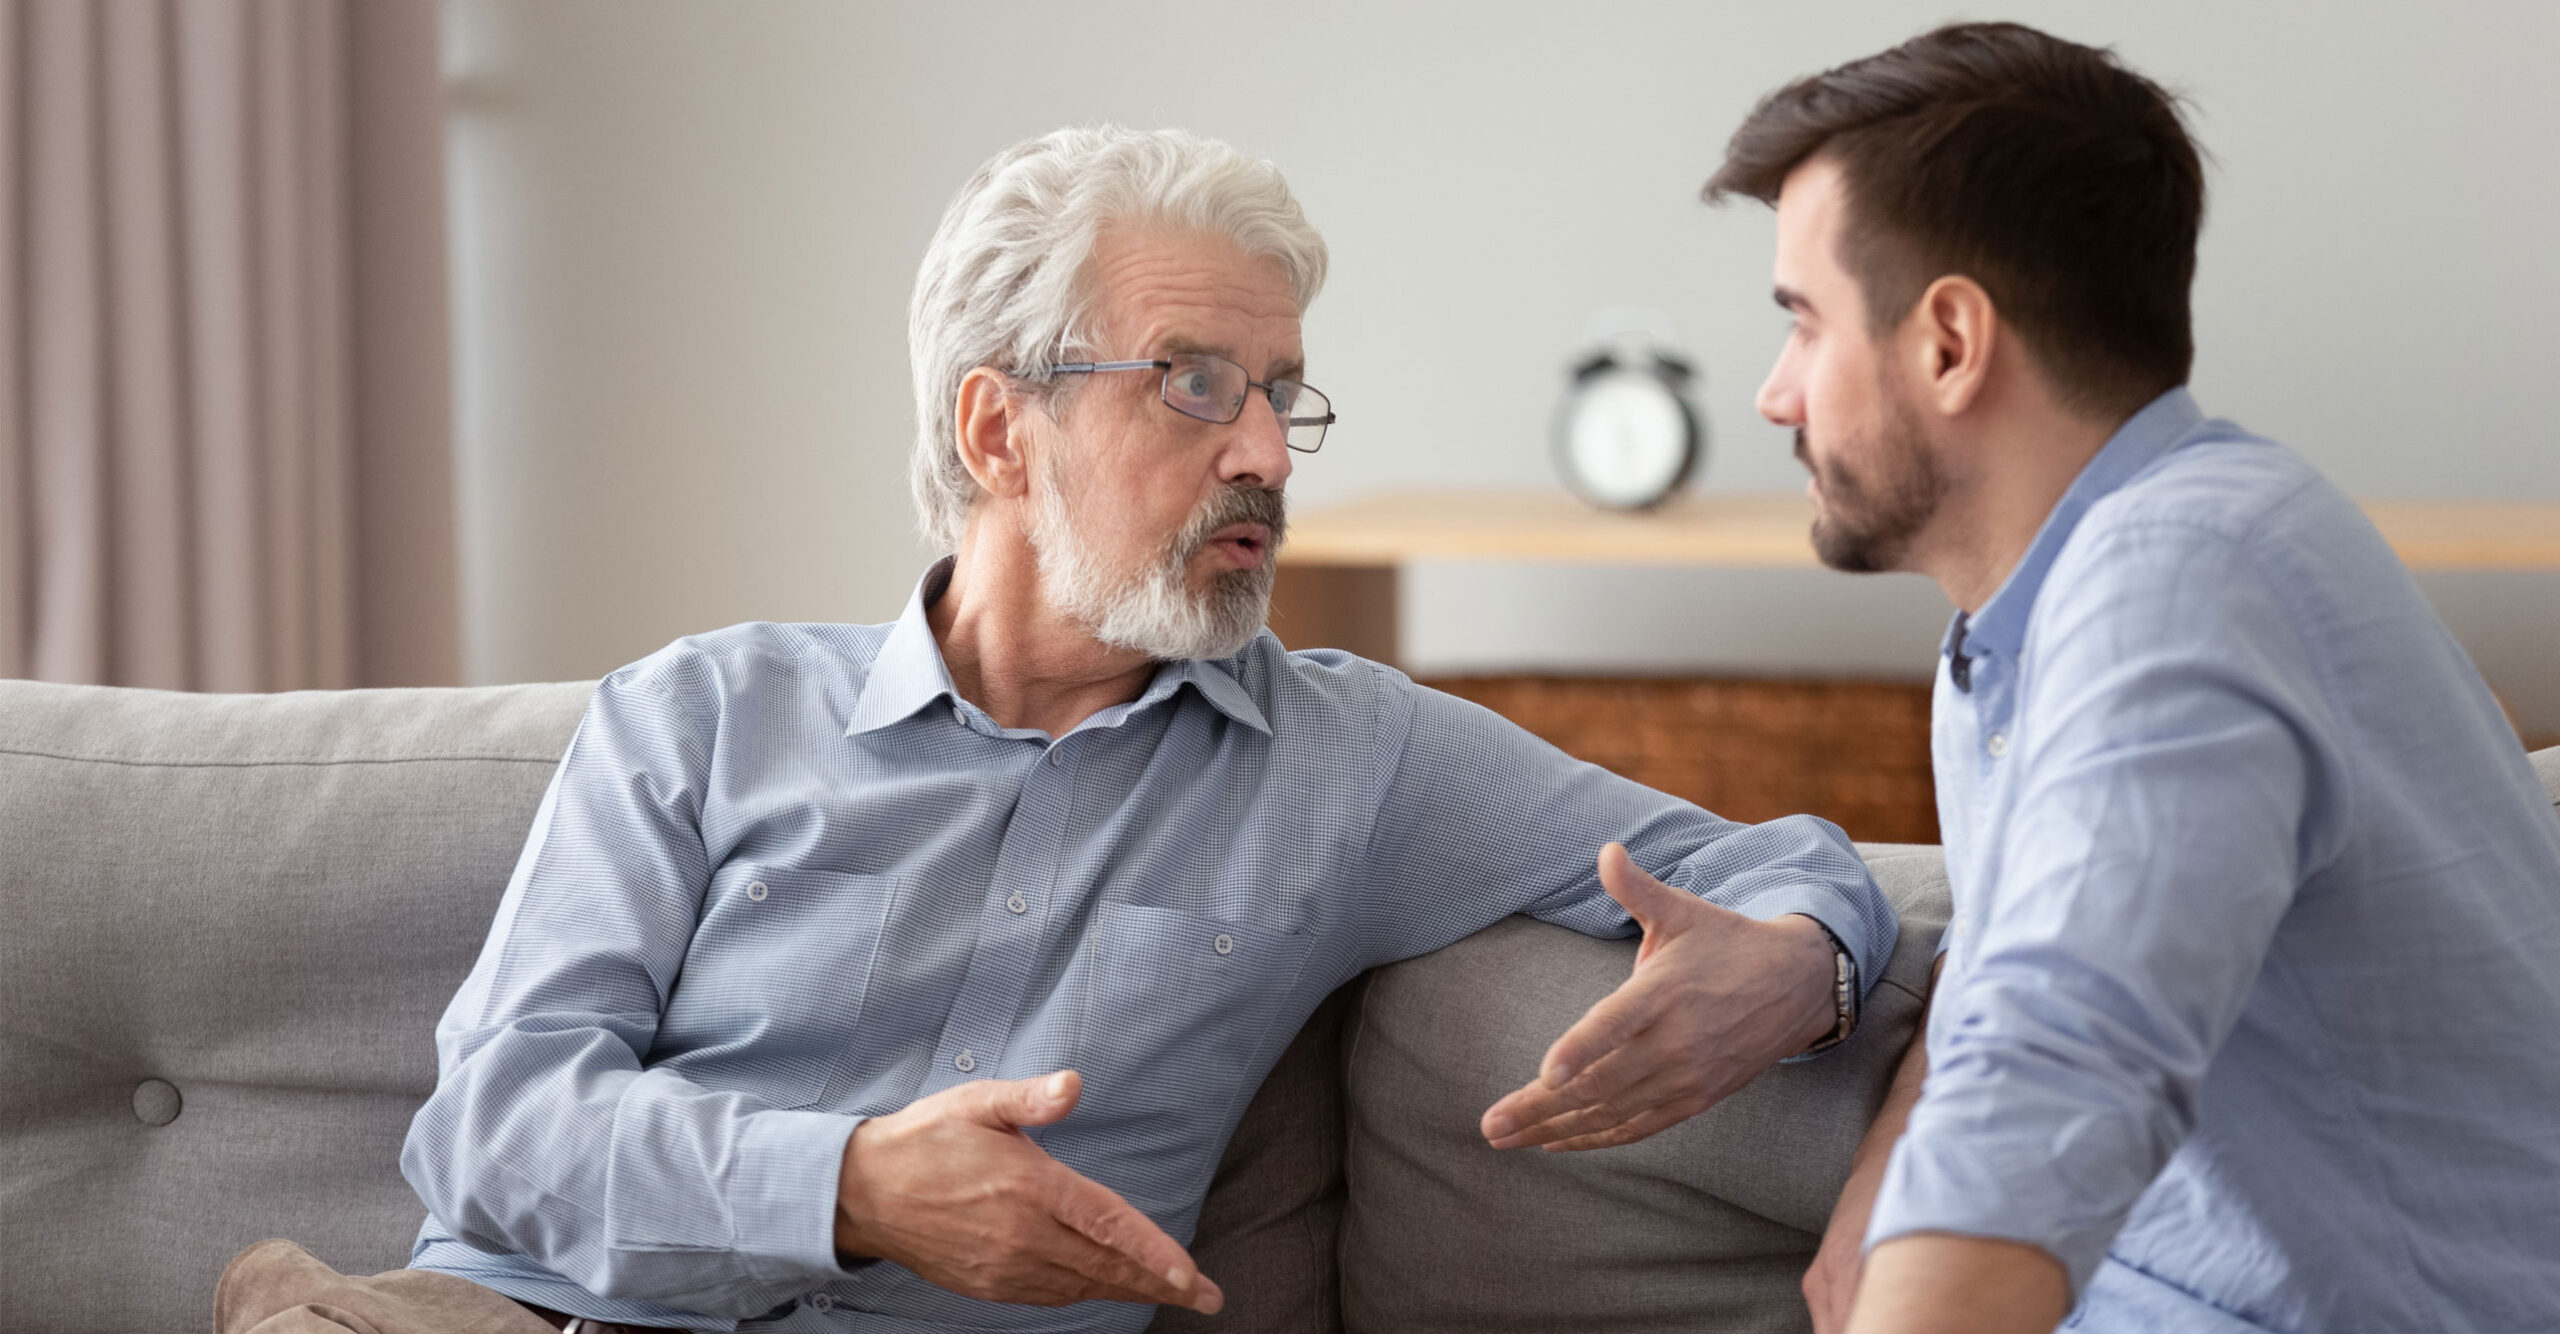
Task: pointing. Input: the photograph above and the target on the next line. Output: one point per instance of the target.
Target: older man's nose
(1258, 449)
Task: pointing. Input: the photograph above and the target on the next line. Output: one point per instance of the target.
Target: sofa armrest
(1706, 1225)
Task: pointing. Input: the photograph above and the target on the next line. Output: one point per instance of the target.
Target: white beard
(1151, 609)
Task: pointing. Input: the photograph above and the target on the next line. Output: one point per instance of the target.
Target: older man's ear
(995, 433)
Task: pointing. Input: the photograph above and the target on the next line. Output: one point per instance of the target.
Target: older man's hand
(951, 1188)
(1714, 999)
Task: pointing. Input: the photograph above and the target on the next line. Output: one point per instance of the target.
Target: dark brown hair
(2061, 181)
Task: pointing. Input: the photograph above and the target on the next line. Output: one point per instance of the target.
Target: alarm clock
(1626, 433)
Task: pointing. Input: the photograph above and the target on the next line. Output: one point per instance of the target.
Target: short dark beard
(1867, 525)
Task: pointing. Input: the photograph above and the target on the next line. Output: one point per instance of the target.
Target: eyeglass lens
(1215, 389)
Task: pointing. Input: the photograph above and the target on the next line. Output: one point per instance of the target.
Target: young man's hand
(951, 1188)
(1714, 999)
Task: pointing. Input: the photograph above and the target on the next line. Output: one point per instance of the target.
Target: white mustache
(1263, 505)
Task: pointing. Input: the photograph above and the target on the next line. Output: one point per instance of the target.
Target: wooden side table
(1341, 567)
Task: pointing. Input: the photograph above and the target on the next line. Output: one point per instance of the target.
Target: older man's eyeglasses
(1214, 389)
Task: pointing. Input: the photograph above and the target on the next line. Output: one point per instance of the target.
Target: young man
(2247, 1014)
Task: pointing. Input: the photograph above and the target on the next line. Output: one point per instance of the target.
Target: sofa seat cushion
(227, 927)
(1707, 1225)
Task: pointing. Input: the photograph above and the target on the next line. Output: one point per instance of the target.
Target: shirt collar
(1216, 681)
(2001, 625)
(909, 673)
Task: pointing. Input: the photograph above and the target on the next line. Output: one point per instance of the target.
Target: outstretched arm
(1478, 819)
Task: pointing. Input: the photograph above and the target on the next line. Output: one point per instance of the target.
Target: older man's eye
(1192, 384)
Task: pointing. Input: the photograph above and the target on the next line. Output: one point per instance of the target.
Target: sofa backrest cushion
(1706, 1225)
(227, 927)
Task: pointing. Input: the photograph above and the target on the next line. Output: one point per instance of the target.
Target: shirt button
(1998, 745)
(1224, 944)
(966, 1061)
(823, 1302)
(1057, 756)
(1017, 905)
(756, 891)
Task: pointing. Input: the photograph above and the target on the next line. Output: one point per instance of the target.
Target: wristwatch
(1844, 992)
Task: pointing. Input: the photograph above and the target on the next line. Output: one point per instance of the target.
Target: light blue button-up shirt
(786, 878)
(2250, 1014)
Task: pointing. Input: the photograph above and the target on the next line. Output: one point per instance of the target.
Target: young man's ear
(992, 419)
(1958, 330)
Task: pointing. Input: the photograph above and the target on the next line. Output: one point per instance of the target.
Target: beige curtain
(224, 439)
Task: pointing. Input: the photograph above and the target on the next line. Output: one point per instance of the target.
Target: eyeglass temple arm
(1079, 367)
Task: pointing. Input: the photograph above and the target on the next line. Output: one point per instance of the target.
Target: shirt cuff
(1824, 905)
(1978, 1190)
(782, 1194)
(1869, 948)
(1846, 927)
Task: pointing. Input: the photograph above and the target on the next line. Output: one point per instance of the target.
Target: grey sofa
(228, 923)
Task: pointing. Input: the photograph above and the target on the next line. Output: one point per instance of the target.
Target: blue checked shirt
(2249, 1013)
(786, 879)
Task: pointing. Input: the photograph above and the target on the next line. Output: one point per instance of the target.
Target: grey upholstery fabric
(1707, 1225)
(2547, 764)
(227, 926)
(1273, 1220)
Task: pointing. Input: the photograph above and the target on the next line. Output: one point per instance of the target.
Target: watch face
(1624, 439)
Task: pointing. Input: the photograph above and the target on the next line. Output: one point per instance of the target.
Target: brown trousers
(276, 1287)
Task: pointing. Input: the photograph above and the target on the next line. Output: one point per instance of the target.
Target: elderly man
(874, 977)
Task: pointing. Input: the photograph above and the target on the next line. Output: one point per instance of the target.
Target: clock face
(1625, 439)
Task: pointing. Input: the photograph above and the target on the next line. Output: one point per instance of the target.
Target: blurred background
(674, 239)
(685, 232)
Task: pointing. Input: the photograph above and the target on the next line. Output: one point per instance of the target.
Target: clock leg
(1350, 607)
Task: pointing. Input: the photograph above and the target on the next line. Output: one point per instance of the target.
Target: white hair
(1003, 283)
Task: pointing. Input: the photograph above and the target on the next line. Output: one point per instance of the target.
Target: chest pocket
(772, 990)
(1179, 1011)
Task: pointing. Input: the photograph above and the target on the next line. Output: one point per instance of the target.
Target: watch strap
(1845, 992)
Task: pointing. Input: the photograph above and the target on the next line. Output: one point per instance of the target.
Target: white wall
(685, 233)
